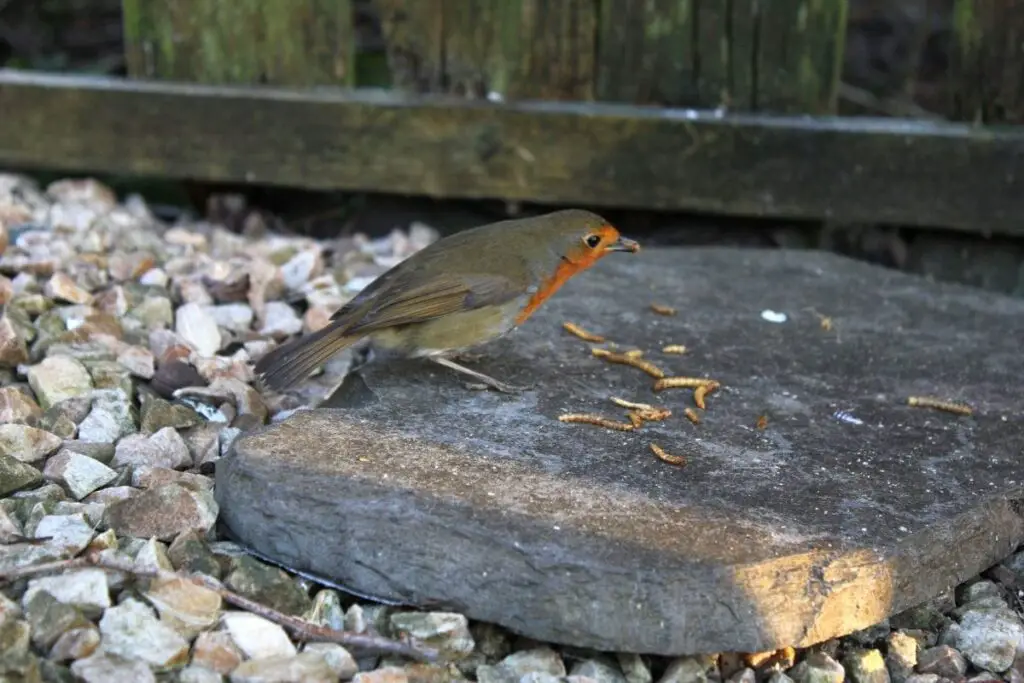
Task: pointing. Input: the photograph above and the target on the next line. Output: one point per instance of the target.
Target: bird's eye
(592, 241)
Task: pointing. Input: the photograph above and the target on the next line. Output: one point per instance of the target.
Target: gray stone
(943, 661)
(158, 413)
(691, 670)
(818, 667)
(83, 589)
(542, 660)
(338, 658)
(111, 417)
(105, 668)
(989, 639)
(599, 671)
(413, 488)
(267, 585)
(15, 475)
(79, 474)
(447, 631)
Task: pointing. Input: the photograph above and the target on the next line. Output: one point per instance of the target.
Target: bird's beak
(624, 244)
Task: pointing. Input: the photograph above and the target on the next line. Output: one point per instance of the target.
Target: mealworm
(630, 404)
(663, 310)
(666, 457)
(624, 359)
(573, 328)
(699, 393)
(674, 348)
(762, 422)
(692, 415)
(939, 404)
(597, 421)
(683, 383)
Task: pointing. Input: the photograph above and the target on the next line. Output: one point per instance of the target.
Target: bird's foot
(487, 381)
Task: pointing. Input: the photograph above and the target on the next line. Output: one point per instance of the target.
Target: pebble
(131, 630)
(516, 665)
(62, 288)
(901, 656)
(447, 631)
(163, 512)
(280, 320)
(257, 637)
(57, 378)
(165, 448)
(138, 360)
(943, 661)
(232, 317)
(300, 668)
(866, 666)
(196, 325)
(186, 607)
(989, 639)
(84, 589)
(106, 668)
(79, 474)
(340, 660)
(17, 406)
(599, 671)
(27, 444)
(216, 651)
(111, 417)
(818, 667)
(16, 475)
(198, 674)
(13, 348)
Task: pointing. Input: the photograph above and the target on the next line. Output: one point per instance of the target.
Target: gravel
(126, 351)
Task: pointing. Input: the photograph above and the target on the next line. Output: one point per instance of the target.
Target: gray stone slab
(422, 491)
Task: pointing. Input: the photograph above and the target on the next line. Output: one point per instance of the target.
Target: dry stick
(301, 628)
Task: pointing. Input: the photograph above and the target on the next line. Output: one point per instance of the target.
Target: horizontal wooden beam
(874, 170)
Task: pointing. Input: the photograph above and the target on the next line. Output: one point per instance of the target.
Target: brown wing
(401, 305)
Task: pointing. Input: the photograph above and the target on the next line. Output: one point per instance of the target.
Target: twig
(299, 627)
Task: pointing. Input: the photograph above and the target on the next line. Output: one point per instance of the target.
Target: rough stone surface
(850, 505)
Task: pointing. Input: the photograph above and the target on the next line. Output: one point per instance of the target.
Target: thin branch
(300, 628)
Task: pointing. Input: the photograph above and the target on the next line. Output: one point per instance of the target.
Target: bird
(455, 295)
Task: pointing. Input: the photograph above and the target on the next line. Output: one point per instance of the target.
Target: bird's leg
(479, 376)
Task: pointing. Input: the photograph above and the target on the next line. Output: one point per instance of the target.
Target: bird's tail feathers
(292, 362)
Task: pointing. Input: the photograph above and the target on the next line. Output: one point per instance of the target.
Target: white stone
(79, 474)
(131, 630)
(280, 320)
(85, 589)
(196, 325)
(257, 637)
(232, 317)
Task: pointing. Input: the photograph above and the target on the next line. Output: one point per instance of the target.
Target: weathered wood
(533, 49)
(646, 52)
(280, 42)
(987, 61)
(871, 170)
(782, 55)
(800, 53)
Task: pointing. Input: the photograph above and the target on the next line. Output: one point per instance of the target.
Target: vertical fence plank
(280, 42)
(987, 62)
(645, 52)
(528, 49)
(800, 53)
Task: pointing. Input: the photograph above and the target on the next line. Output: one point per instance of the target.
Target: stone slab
(849, 506)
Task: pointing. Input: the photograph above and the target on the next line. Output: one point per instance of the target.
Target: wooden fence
(727, 106)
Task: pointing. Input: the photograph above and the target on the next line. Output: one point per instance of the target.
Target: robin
(460, 292)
